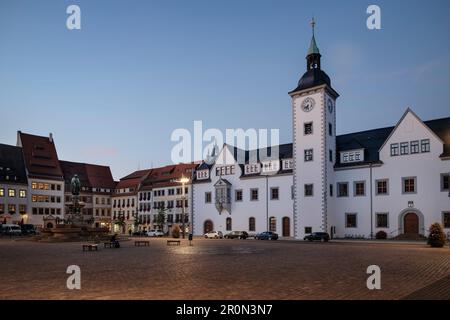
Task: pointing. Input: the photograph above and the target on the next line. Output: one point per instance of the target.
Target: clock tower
(314, 147)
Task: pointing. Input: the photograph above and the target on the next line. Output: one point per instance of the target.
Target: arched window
(229, 226)
(251, 224)
(273, 224)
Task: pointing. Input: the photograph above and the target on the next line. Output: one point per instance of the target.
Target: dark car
(140, 234)
(267, 235)
(236, 235)
(28, 229)
(317, 236)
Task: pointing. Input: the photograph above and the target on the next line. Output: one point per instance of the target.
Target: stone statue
(75, 185)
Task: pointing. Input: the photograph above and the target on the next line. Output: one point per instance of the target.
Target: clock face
(330, 105)
(308, 104)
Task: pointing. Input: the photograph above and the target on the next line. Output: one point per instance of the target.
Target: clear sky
(113, 92)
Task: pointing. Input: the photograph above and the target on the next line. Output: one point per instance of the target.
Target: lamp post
(183, 181)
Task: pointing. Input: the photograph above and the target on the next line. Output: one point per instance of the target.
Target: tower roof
(313, 49)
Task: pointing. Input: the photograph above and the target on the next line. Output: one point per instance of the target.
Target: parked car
(267, 235)
(140, 234)
(28, 229)
(214, 235)
(11, 229)
(317, 236)
(236, 235)
(155, 233)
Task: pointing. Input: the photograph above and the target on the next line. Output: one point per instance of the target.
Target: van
(11, 229)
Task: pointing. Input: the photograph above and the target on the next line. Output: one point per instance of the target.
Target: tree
(176, 231)
(161, 218)
(436, 237)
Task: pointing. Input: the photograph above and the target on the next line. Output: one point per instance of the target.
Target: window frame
(377, 193)
(251, 194)
(395, 149)
(403, 185)
(338, 190)
(347, 214)
(387, 220)
(308, 155)
(443, 175)
(363, 182)
(272, 189)
(305, 189)
(305, 124)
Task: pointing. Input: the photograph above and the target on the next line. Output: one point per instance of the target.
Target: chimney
(50, 137)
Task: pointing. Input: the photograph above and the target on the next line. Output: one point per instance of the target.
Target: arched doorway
(49, 225)
(208, 226)
(286, 227)
(411, 223)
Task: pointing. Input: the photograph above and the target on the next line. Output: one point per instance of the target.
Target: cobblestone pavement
(220, 269)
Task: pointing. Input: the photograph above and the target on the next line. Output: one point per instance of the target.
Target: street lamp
(183, 181)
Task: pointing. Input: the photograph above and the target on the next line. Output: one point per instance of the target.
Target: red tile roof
(41, 158)
(90, 175)
(168, 176)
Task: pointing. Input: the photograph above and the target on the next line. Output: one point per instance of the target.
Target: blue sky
(113, 92)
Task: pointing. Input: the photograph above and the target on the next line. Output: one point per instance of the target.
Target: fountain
(74, 227)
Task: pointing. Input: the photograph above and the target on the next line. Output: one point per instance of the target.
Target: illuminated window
(22, 193)
(11, 193)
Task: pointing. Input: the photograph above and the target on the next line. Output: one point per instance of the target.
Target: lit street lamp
(183, 181)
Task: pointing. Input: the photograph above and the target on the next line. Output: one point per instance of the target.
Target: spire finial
(313, 25)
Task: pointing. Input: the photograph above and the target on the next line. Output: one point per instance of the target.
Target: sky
(113, 92)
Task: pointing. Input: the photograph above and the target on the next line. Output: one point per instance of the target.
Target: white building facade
(393, 180)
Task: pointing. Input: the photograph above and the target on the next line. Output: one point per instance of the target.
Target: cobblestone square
(223, 269)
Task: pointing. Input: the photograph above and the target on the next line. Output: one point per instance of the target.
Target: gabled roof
(41, 159)
(373, 140)
(90, 175)
(12, 165)
(168, 176)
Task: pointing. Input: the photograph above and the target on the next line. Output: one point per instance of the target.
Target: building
(394, 179)
(162, 191)
(125, 202)
(45, 177)
(13, 186)
(251, 192)
(97, 187)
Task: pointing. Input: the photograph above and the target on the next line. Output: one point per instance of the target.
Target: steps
(410, 236)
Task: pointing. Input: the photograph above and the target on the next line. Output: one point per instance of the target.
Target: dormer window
(288, 164)
(252, 168)
(352, 156)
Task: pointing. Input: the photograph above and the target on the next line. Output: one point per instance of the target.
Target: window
(409, 185)
(238, 195)
(394, 149)
(208, 197)
(330, 129)
(357, 156)
(425, 145)
(274, 193)
(446, 219)
(228, 224)
(381, 187)
(292, 193)
(12, 208)
(11, 193)
(359, 188)
(34, 185)
(330, 155)
(345, 157)
(350, 220)
(58, 187)
(22, 209)
(273, 224)
(445, 181)
(2, 192)
(251, 224)
(309, 190)
(253, 194)
(382, 220)
(414, 147)
(331, 190)
(2, 208)
(224, 170)
(342, 189)
(308, 155)
(404, 148)
(308, 230)
(308, 128)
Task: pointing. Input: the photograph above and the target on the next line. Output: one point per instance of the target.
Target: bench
(145, 243)
(90, 247)
(173, 242)
(109, 245)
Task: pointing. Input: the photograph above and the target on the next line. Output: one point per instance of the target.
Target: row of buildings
(394, 179)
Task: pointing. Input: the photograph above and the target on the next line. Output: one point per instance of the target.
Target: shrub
(381, 235)
(436, 237)
(176, 231)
